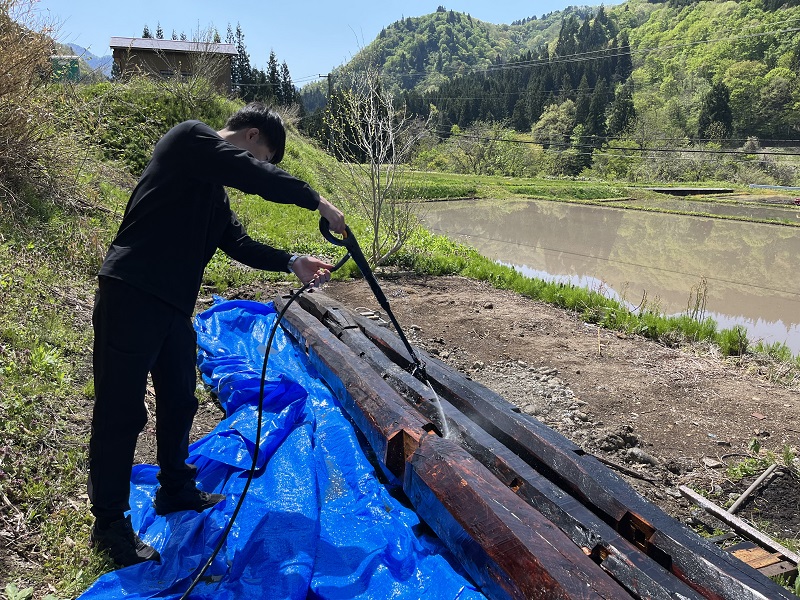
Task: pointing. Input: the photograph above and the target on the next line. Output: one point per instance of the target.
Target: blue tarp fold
(316, 521)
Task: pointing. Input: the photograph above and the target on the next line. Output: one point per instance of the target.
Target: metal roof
(155, 44)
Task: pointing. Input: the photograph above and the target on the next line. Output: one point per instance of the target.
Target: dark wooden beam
(706, 568)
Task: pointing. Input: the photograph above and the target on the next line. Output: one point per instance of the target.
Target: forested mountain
(675, 69)
(423, 53)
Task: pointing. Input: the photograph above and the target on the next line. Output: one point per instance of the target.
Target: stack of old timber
(526, 512)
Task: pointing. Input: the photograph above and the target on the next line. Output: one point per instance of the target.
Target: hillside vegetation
(677, 51)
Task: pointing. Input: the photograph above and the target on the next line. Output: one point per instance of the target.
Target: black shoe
(121, 544)
(189, 498)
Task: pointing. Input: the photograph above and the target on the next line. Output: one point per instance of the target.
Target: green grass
(45, 299)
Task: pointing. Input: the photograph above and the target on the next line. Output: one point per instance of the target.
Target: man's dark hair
(268, 122)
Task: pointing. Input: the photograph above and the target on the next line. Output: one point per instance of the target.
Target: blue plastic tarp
(316, 521)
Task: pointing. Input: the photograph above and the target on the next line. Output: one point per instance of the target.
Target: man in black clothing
(177, 217)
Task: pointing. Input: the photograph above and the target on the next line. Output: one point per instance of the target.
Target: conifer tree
(596, 120)
(622, 109)
(624, 62)
(146, 32)
(288, 91)
(716, 108)
(583, 101)
(243, 68)
(273, 77)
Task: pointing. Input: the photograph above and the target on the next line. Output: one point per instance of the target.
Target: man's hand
(312, 270)
(334, 216)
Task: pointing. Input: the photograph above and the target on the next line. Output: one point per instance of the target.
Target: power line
(603, 53)
(621, 148)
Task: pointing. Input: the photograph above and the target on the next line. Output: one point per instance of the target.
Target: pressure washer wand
(349, 241)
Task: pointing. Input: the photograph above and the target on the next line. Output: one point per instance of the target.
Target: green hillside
(422, 53)
(679, 51)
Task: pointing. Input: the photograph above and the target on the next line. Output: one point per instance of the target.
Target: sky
(312, 37)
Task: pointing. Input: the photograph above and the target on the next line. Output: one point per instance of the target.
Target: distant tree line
(590, 66)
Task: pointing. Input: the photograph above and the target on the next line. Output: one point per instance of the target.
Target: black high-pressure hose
(254, 464)
(350, 243)
(251, 474)
(354, 250)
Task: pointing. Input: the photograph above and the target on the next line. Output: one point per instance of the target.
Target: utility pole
(329, 77)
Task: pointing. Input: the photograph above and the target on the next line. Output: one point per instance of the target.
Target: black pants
(136, 334)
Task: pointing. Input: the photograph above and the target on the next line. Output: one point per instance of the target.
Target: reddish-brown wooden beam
(509, 548)
(392, 429)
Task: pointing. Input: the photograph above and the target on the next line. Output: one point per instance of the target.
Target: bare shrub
(372, 139)
(25, 49)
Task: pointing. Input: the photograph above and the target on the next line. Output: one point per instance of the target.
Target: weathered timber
(635, 571)
(392, 429)
(771, 564)
(738, 524)
(714, 573)
(509, 548)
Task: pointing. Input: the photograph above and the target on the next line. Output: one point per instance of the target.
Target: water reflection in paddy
(750, 268)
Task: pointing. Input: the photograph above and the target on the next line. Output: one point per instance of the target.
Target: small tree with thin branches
(372, 139)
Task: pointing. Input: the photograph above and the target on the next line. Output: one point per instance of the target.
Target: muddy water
(750, 270)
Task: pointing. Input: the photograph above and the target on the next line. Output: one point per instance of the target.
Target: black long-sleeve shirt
(179, 214)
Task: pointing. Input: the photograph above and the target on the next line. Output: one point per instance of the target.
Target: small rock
(712, 463)
(640, 456)
(488, 306)
(674, 466)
